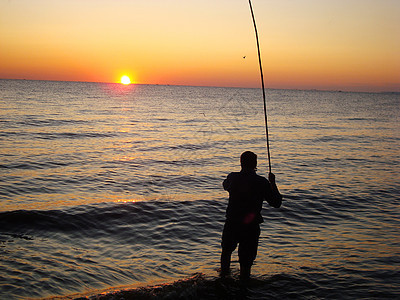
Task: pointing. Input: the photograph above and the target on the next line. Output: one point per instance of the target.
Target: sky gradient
(305, 44)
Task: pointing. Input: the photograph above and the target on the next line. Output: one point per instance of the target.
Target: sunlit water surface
(105, 185)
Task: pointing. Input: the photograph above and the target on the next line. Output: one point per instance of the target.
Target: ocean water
(117, 190)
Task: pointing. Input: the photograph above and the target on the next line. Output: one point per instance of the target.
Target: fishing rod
(262, 84)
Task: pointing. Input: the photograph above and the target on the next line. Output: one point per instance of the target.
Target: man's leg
(229, 243)
(248, 245)
(245, 270)
(225, 262)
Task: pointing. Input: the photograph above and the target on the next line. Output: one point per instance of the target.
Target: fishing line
(262, 84)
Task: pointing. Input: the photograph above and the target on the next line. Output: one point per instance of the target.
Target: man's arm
(275, 198)
(227, 183)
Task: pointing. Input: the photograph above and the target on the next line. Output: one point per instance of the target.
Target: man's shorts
(246, 236)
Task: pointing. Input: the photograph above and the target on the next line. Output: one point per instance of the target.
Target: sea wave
(278, 286)
(110, 218)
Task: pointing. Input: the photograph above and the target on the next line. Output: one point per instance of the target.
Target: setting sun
(125, 80)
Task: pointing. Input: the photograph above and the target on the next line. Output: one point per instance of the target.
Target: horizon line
(212, 86)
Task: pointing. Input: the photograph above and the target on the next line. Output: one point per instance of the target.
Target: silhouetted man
(247, 191)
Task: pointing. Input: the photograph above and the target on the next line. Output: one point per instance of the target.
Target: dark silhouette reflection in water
(247, 191)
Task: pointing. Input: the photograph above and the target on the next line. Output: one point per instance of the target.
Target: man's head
(248, 160)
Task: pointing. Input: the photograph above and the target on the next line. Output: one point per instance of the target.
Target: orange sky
(313, 44)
